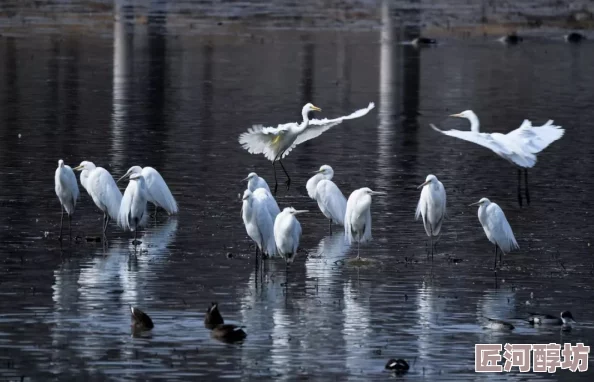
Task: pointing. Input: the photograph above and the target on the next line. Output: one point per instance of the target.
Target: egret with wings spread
(277, 142)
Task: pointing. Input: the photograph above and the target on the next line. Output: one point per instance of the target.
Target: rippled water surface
(140, 96)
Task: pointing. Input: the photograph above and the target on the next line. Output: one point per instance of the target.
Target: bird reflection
(496, 303)
(357, 325)
(429, 308)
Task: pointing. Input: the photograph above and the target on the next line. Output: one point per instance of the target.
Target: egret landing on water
(102, 188)
(432, 207)
(287, 232)
(331, 201)
(158, 191)
(357, 219)
(133, 214)
(496, 227)
(519, 146)
(277, 142)
(255, 182)
(258, 211)
(66, 188)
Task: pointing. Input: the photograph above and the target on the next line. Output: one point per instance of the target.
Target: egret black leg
(358, 246)
(520, 187)
(431, 239)
(330, 226)
(495, 265)
(69, 226)
(275, 181)
(61, 221)
(526, 185)
(155, 212)
(104, 222)
(287, 174)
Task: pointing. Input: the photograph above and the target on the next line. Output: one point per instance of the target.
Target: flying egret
(357, 219)
(496, 227)
(66, 188)
(255, 182)
(287, 232)
(257, 215)
(277, 142)
(102, 188)
(432, 207)
(158, 192)
(331, 201)
(519, 146)
(133, 214)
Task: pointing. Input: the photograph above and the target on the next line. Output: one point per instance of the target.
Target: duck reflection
(498, 304)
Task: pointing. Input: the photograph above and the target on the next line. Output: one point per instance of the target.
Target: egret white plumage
(496, 227)
(158, 192)
(133, 214)
(357, 219)
(432, 207)
(66, 188)
(331, 201)
(258, 216)
(255, 182)
(519, 146)
(277, 142)
(287, 233)
(102, 188)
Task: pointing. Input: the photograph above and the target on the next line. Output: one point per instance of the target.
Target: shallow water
(178, 103)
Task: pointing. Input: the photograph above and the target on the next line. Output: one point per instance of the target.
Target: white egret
(432, 207)
(357, 219)
(133, 214)
(158, 191)
(287, 232)
(331, 201)
(66, 188)
(255, 182)
(496, 227)
(519, 146)
(258, 221)
(102, 188)
(277, 142)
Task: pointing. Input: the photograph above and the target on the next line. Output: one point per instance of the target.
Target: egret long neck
(474, 123)
(305, 122)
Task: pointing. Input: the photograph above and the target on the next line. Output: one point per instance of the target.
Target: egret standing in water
(496, 227)
(255, 182)
(102, 188)
(66, 188)
(158, 191)
(133, 214)
(287, 232)
(277, 142)
(357, 219)
(519, 146)
(258, 219)
(331, 201)
(432, 207)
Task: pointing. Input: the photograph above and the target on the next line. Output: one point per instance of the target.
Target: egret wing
(500, 229)
(265, 223)
(123, 217)
(158, 191)
(534, 139)
(264, 140)
(482, 139)
(106, 191)
(331, 201)
(72, 183)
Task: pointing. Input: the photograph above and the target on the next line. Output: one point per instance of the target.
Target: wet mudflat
(178, 103)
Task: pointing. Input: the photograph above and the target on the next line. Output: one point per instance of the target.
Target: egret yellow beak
(125, 175)
(456, 115)
(246, 179)
(424, 184)
(474, 204)
(300, 212)
(78, 168)
(315, 108)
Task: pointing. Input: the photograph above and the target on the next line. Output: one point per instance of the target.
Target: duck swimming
(494, 324)
(219, 330)
(140, 320)
(399, 366)
(566, 318)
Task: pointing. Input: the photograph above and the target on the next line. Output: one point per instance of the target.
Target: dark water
(178, 103)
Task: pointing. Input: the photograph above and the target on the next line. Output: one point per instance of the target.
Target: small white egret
(133, 214)
(258, 220)
(331, 201)
(277, 142)
(357, 219)
(102, 188)
(66, 188)
(496, 227)
(432, 207)
(287, 232)
(255, 182)
(158, 191)
(519, 146)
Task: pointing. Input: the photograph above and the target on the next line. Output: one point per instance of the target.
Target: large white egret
(158, 191)
(102, 188)
(519, 146)
(287, 233)
(133, 214)
(432, 207)
(66, 188)
(258, 219)
(357, 219)
(496, 227)
(277, 142)
(255, 182)
(331, 201)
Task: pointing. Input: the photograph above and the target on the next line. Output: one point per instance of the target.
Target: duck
(511, 39)
(566, 318)
(219, 330)
(140, 320)
(423, 41)
(574, 37)
(399, 366)
(495, 324)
